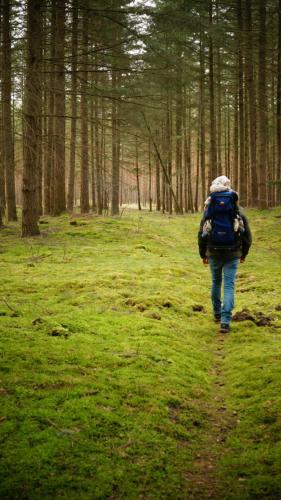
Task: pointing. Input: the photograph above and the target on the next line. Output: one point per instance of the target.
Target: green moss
(105, 373)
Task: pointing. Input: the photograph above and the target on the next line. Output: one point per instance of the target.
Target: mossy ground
(108, 376)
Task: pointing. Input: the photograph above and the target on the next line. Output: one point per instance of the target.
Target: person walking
(224, 240)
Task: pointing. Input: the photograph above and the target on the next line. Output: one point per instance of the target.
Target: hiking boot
(224, 328)
(217, 317)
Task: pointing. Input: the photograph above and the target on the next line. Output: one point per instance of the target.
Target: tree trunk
(32, 98)
(196, 197)
(115, 146)
(235, 138)
(8, 139)
(98, 155)
(104, 201)
(241, 111)
(2, 170)
(72, 160)
(272, 159)
(179, 119)
(49, 157)
(278, 109)
(202, 121)
(59, 104)
(137, 175)
(251, 95)
(228, 147)
(157, 179)
(188, 161)
(93, 163)
(262, 107)
(149, 177)
(213, 143)
(218, 100)
(164, 178)
(84, 185)
(39, 156)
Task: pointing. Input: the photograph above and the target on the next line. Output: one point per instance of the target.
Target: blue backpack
(221, 212)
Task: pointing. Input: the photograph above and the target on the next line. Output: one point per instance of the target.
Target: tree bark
(235, 168)
(157, 178)
(39, 156)
(241, 111)
(179, 120)
(150, 177)
(278, 109)
(202, 121)
(196, 196)
(84, 185)
(138, 175)
(49, 157)
(98, 155)
(93, 162)
(8, 139)
(59, 105)
(218, 98)
(115, 148)
(262, 107)
(213, 129)
(32, 98)
(2, 166)
(251, 95)
(72, 160)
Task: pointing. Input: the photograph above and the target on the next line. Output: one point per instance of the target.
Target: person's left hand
(205, 261)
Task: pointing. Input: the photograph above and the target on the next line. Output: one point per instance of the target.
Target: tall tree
(251, 96)
(59, 205)
(179, 123)
(115, 145)
(202, 119)
(137, 175)
(84, 184)
(50, 108)
(218, 68)
(98, 159)
(31, 123)
(278, 107)
(242, 170)
(262, 107)
(8, 139)
(213, 129)
(72, 160)
(2, 169)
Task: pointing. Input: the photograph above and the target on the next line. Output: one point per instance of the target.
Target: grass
(106, 374)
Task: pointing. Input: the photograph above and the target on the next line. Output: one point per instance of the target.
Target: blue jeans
(228, 269)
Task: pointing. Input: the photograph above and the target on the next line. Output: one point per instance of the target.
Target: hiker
(224, 239)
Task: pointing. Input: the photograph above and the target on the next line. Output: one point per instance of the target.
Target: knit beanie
(221, 183)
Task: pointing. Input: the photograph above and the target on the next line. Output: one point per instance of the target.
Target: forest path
(204, 479)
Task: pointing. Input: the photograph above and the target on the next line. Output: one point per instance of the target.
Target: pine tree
(8, 139)
(59, 203)
(84, 183)
(31, 130)
(262, 107)
(72, 160)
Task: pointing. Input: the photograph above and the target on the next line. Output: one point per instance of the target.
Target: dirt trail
(204, 480)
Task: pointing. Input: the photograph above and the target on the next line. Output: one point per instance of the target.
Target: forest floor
(114, 380)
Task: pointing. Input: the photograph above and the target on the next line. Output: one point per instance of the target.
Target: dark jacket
(241, 251)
